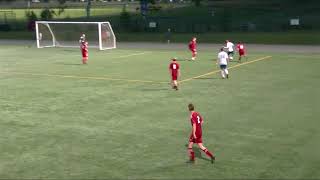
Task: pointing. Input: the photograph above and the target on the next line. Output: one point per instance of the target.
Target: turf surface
(64, 120)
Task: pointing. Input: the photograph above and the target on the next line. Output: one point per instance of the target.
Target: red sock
(191, 154)
(208, 153)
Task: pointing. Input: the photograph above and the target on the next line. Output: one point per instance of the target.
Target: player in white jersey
(229, 46)
(222, 60)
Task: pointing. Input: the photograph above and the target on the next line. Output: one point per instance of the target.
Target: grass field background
(64, 120)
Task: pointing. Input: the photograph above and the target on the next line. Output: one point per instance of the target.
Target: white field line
(129, 55)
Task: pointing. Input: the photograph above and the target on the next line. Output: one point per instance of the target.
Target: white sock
(226, 71)
(222, 74)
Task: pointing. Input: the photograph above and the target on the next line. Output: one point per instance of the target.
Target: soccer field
(118, 118)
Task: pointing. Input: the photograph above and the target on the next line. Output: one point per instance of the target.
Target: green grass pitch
(64, 120)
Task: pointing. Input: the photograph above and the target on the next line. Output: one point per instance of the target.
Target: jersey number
(174, 66)
(198, 118)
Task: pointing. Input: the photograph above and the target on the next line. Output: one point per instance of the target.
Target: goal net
(67, 34)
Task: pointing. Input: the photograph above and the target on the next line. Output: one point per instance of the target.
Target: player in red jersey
(84, 48)
(241, 50)
(196, 134)
(193, 48)
(174, 72)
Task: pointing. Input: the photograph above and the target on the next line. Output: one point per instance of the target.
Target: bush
(31, 16)
(47, 14)
(125, 18)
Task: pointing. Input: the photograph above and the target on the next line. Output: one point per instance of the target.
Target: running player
(229, 46)
(241, 50)
(222, 61)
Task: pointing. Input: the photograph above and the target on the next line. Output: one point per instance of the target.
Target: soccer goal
(66, 34)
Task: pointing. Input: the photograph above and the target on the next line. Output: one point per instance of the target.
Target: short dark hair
(191, 107)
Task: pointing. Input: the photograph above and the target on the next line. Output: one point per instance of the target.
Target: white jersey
(229, 46)
(223, 58)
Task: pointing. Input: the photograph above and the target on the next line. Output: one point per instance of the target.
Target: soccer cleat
(227, 76)
(192, 160)
(213, 159)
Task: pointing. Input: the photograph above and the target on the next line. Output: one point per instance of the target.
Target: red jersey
(84, 49)
(84, 46)
(192, 45)
(174, 67)
(240, 47)
(197, 120)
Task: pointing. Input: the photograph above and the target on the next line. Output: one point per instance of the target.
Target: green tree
(125, 17)
(61, 6)
(88, 8)
(47, 14)
(31, 16)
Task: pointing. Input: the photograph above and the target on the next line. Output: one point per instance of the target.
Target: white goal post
(67, 34)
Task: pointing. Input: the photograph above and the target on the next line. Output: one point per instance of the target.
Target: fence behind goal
(66, 34)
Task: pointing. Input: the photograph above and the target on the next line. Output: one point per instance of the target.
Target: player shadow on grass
(70, 50)
(197, 153)
(204, 78)
(71, 64)
(154, 89)
(183, 59)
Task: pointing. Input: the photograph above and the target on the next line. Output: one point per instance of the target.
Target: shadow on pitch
(183, 59)
(70, 64)
(155, 89)
(204, 78)
(70, 50)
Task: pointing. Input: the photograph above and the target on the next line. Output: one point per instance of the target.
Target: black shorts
(223, 66)
(230, 52)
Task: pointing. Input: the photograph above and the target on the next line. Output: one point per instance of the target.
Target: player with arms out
(229, 46)
(193, 48)
(241, 50)
(174, 69)
(84, 48)
(196, 134)
(223, 62)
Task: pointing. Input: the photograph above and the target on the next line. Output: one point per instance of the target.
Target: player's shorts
(223, 66)
(193, 51)
(230, 52)
(198, 140)
(174, 77)
(84, 54)
(241, 53)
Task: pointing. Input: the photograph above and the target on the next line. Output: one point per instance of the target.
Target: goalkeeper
(84, 48)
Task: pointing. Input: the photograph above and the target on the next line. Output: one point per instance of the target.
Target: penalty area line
(232, 67)
(85, 77)
(129, 55)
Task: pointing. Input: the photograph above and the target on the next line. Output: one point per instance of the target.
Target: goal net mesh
(63, 34)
